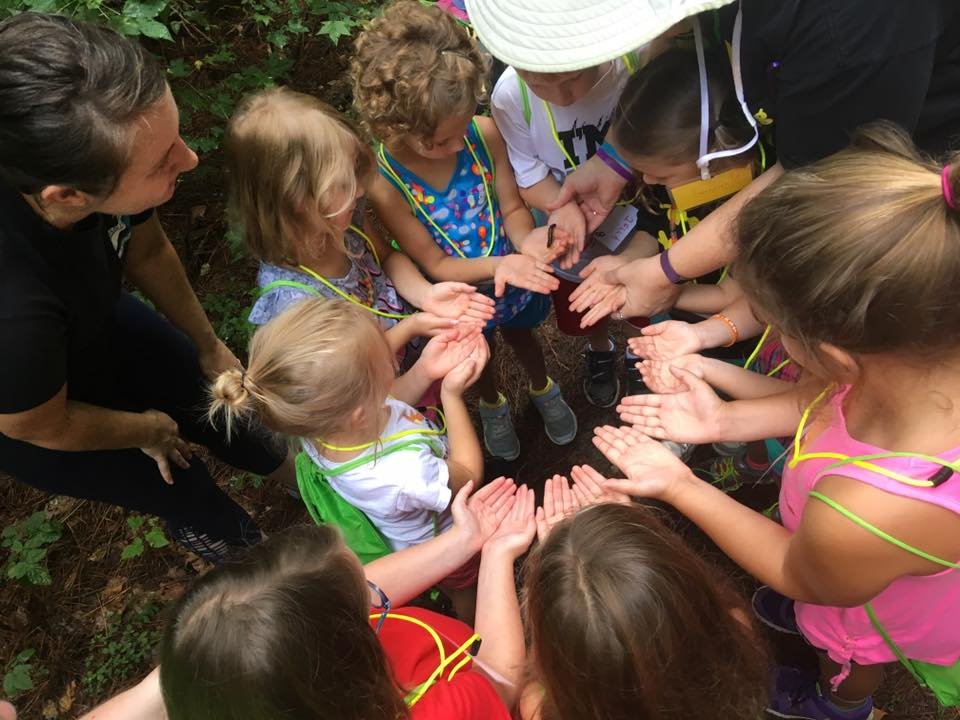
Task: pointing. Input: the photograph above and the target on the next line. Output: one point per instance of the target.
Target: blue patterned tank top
(458, 218)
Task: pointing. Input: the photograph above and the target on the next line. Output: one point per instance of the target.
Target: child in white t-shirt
(552, 123)
(322, 371)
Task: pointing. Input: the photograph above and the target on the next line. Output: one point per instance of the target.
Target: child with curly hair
(447, 194)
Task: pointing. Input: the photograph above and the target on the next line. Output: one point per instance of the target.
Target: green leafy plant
(20, 673)
(134, 17)
(118, 652)
(28, 542)
(228, 312)
(244, 480)
(146, 533)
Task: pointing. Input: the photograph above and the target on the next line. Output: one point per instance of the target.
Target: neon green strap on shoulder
(377, 454)
(631, 61)
(524, 100)
(856, 519)
(288, 283)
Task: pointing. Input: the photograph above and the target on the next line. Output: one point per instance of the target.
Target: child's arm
(725, 377)
(416, 242)
(465, 461)
(502, 651)
(143, 701)
(704, 298)
(517, 220)
(828, 560)
(449, 299)
(697, 415)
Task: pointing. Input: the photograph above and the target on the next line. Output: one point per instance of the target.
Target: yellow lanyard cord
(347, 296)
(556, 135)
(862, 461)
(414, 203)
(420, 690)
(388, 438)
(758, 348)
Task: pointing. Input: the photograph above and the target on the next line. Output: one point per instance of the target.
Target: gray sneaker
(499, 437)
(558, 419)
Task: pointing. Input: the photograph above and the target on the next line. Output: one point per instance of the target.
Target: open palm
(458, 301)
(666, 340)
(447, 350)
(651, 470)
(691, 415)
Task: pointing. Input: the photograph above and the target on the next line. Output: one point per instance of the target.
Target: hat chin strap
(703, 162)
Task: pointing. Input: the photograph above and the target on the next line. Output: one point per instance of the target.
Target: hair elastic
(947, 188)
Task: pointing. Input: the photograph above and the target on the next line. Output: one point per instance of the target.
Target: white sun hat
(554, 36)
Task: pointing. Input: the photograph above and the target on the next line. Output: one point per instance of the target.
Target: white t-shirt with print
(581, 127)
(400, 492)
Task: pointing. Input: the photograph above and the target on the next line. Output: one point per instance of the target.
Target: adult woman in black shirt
(99, 394)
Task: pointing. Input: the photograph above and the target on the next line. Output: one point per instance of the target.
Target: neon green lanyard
(337, 291)
(863, 461)
(393, 436)
(756, 352)
(415, 205)
(414, 696)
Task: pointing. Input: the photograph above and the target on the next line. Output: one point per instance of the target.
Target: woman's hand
(445, 351)
(652, 471)
(589, 489)
(691, 415)
(217, 358)
(479, 515)
(569, 218)
(650, 290)
(516, 532)
(658, 374)
(537, 244)
(524, 272)
(559, 503)
(458, 301)
(666, 341)
(595, 286)
(594, 187)
(166, 445)
(468, 371)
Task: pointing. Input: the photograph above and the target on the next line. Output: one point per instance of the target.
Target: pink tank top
(919, 613)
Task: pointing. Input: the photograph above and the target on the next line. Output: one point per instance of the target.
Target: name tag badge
(700, 192)
(617, 227)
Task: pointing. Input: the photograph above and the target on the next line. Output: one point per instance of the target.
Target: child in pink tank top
(854, 260)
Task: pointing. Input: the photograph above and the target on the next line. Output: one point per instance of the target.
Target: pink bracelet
(612, 163)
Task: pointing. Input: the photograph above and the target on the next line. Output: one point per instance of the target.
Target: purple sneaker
(797, 696)
(774, 610)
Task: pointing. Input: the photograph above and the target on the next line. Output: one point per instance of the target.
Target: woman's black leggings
(153, 365)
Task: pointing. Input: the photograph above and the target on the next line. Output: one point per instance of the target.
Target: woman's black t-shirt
(57, 293)
(822, 68)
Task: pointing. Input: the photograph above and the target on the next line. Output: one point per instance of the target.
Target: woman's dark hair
(658, 114)
(68, 93)
(279, 633)
(627, 623)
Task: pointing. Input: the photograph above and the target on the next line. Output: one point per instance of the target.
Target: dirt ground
(93, 628)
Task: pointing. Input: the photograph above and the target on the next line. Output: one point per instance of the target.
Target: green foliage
(118, 652)
(246, 479)
(228, 312)
(146, 533)
(28, 542)
(148, 18)
(19, 674)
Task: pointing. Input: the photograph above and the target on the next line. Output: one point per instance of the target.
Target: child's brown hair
(293, 163)
(658, 114)
(627, 623)
(309, 368)
(860, 250)
(281, 632)
(413, 67)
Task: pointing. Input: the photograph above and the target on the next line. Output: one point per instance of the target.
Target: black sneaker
(600, 382)
(635, 384)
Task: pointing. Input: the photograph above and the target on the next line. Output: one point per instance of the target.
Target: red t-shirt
(413, 655)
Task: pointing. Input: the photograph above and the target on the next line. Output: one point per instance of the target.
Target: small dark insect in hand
(551, 230)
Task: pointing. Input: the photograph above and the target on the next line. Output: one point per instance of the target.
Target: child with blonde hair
(447, 194)
(322, 371)
(865, 564)
(297, 174)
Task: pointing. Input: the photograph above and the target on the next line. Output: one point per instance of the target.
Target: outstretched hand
(594, 187)
(666, 340)
(443, 352)
(658, 374)
(693, 414)
(651, 470)
(480, 514)
(458, 301)
(589, 488)
(517, 529)
(559, 503)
